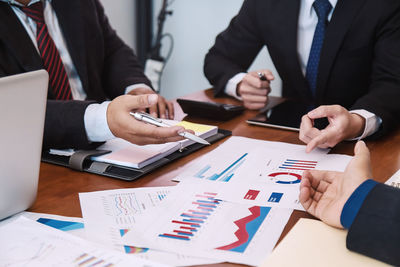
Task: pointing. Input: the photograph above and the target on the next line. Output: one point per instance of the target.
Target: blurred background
(191, 24)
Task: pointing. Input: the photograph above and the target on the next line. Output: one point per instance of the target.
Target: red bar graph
(251, 194)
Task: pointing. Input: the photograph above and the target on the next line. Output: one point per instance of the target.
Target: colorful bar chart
(301, 165)
(89, 260)
(251, 194)
(191, 220)
(223, 176)
(161, 195)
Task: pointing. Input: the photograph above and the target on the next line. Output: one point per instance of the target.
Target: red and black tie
(58, 79)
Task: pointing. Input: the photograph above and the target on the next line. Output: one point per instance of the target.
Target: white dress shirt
(308, 20)
(95, 117)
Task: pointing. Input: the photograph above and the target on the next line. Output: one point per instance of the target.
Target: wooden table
(59, 186)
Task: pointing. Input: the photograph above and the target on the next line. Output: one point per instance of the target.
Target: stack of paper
(25, 242)
(232, 204)
(114, 213)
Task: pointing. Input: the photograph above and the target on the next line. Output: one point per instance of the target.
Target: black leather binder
(81, 160)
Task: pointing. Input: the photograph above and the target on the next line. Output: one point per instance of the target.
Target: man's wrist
(357, 125)
(96, 124)
(232, 85)
(371, 126)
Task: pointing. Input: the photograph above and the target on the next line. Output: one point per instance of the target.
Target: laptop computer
(22, 112)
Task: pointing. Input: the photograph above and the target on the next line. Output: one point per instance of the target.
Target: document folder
(81, 160)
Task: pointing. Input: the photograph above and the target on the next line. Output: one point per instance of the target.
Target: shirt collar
(308, 5)
(16, 3)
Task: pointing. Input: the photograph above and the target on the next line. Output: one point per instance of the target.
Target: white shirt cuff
(96, 125)
(230, 88)
(135, 86)
(372, 122)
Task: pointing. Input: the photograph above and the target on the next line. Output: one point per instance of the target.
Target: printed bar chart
(301, 165)
(223, 176)
(191, 220)
(275, 197)
(251, 194)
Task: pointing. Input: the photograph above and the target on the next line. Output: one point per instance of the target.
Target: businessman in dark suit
(352, 200)
(341, 55)
(88, 64)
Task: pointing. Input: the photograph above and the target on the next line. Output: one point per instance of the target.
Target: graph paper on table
(262, 161)
(29, 243)
(113, 213)
(195, 221)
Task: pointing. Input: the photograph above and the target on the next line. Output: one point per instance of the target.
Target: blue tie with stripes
(322, 8)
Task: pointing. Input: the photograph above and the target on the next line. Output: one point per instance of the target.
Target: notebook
(120, 166)
(127, 154)
(22, 112)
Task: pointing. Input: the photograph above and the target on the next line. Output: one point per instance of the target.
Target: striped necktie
(58, 79)
(322, 8)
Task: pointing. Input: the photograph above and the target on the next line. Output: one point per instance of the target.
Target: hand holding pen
(145, 117)
(254, 88)
(123, 125)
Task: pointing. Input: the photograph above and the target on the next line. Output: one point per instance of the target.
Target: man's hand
(324, 193)
(342, 125)
(253, 91)
(125, 126)
(162, 108)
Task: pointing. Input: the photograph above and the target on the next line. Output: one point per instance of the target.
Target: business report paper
(109, 215)
(193, 220)
(25, 242)
(222, 163)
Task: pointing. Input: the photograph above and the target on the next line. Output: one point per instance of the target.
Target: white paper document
(109, 215)
(72, 225)
(223, 163)
(261, 194)
(394, 180)
(25, 242)
(274, 171)
(194, 221)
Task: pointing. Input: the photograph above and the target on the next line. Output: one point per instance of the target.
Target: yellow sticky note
(198, 128)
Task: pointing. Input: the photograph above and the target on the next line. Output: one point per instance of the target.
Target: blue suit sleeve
(354, 203)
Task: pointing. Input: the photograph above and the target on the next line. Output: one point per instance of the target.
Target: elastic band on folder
(77, 159)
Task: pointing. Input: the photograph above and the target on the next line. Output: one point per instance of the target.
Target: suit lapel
(345, 11)
(14, 35)
(70, 20)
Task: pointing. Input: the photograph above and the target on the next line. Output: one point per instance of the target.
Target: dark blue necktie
(322, 8)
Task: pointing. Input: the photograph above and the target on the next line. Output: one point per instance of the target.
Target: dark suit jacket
(105, 64)
(375, 231)
(360, 59)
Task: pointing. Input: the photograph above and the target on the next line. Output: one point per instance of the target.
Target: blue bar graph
(225, 175)
(275, 197)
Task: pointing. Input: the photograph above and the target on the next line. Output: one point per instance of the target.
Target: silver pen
(145, 117)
